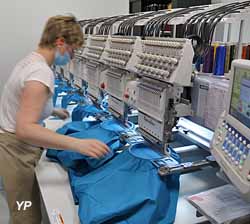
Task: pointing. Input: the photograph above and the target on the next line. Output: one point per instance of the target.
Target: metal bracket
(168, 165)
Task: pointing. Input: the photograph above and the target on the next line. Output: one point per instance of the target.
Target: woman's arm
(32, 101)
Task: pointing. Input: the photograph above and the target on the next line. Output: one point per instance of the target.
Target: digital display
(240, 98)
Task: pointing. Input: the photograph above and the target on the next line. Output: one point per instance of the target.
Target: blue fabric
(145, 152)
(76, 162)
(103, 101)
(198, 63)
(73, 159)
(85, 130)
(76, 126)
(58, 80)
(114, 125)
(82, 111)
(126, 190)
(121, 188)
(68, 129)
(71, 97)
(62, 86)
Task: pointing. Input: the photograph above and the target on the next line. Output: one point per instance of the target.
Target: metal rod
(184, 149)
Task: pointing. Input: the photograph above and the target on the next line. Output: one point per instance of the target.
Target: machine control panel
(231, 142)
(235, 147)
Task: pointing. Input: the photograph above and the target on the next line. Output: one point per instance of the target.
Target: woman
(26, 101)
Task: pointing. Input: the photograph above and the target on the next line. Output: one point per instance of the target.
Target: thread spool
(220, 57)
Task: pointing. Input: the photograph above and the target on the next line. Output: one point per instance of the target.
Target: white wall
(21, 24)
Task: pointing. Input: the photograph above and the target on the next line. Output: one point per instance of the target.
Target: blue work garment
(127, 190)
(121, 188)
(78, 162)
(114, 125)
(107, 131)
(71, 97)
(67, 129)
(86, 130)
(61, 86)
(73, 159)
(82, 111)
(77, 126)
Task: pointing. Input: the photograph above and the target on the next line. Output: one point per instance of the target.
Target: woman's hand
(61, 113)
(91, 147)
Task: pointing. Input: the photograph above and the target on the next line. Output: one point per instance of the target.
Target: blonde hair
(65, 27)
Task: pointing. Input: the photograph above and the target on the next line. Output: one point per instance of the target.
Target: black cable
(127, 26)
(158, 24)
(196, 19)
(106, 26)
(202, 25)
(90, 27)
(177, 14)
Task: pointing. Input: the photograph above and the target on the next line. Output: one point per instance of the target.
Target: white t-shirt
(32, 67)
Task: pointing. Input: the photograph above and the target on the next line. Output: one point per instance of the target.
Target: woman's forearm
(37, 135)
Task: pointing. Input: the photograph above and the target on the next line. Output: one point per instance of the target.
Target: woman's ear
(60, 42)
